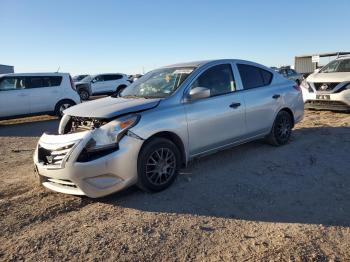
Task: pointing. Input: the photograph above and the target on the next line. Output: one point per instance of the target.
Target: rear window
(253, 76)
(43, 81)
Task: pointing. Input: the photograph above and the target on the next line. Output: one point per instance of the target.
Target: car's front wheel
(158, 164)
(281, 129)
(84, 94)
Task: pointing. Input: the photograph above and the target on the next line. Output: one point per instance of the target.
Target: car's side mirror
(198, 93)
(93, 80)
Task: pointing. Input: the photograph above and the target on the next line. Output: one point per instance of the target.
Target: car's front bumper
(337, 101)
(95, 178)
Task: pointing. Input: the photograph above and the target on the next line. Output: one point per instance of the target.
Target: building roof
(324, 54)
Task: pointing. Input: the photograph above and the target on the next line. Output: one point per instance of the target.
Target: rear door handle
(235, 105)
(276, 96)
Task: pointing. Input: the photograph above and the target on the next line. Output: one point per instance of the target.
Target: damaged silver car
(145, 134)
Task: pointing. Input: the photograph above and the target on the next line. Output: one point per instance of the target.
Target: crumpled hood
(329, 77)
(111, 107)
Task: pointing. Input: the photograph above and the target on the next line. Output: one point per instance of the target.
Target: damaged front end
(85, 157)
(101, 136)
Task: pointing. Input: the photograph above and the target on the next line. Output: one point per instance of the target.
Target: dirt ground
(250, 203)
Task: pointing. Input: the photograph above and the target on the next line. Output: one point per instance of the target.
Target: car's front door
(14, 97)
(217, 120)
(98, 85)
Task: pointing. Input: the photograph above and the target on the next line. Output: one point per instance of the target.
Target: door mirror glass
(199, 93)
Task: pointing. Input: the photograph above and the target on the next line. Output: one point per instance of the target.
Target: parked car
(78, 78)
(162, 121)
(101, 84)
(291, 74)
(32, 94)
(329, 87)
(133, 78)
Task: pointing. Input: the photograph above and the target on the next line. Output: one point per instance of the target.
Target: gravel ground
(253, 202)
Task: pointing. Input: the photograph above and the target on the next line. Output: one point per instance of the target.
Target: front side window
(12, 83)
(253, 76)
(218, 79)
(337, 66)
(98, 78)
(159, 83)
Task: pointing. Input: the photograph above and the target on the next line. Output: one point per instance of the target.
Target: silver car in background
(158, 124)
(291, 74)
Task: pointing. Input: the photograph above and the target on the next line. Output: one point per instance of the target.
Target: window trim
(260, 69)
(188, 89)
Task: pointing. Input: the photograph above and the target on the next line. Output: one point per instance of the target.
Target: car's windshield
(159, 83)
(341, 65)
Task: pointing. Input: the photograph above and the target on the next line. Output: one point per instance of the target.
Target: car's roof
(190, 64)
(93, 75)
(343, 57)
(35, 74)
(204, 62)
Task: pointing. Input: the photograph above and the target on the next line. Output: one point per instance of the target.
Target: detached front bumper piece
(61, 167)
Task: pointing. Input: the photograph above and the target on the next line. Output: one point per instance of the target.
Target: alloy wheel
(160, 166)
(283, 128)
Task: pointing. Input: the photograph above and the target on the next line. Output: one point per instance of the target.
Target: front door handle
(276, 96)
(235, 105)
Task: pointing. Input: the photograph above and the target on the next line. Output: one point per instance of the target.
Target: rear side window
(112, 77)
(43, 81)
(253, 76)
(219, 79)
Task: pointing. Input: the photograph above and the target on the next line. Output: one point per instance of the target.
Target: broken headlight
(107, 136)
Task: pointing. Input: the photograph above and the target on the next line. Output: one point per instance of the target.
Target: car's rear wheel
(158, 165)
(84, 95)
(281, 129)
(63, 105)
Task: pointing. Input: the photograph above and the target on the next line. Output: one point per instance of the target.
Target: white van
(32, 94)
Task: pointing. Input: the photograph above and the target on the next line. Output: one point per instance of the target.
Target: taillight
(72, 83)
(297, 87)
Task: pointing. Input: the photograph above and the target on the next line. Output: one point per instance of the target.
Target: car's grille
(325, 86)
(53, 156)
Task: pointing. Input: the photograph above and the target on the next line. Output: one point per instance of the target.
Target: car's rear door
(44, 92)
(14, 97)
(112, 81)
(218, 120)
(262, 98)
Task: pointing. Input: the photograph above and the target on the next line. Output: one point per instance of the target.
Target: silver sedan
(145, 134)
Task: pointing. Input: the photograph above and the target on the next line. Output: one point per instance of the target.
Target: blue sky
(129, 36)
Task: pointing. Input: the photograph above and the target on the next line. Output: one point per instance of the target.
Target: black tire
(119, 89)
(84, 94)
(157, 171)
(61, 106)
(281, 129)
(297, 82)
